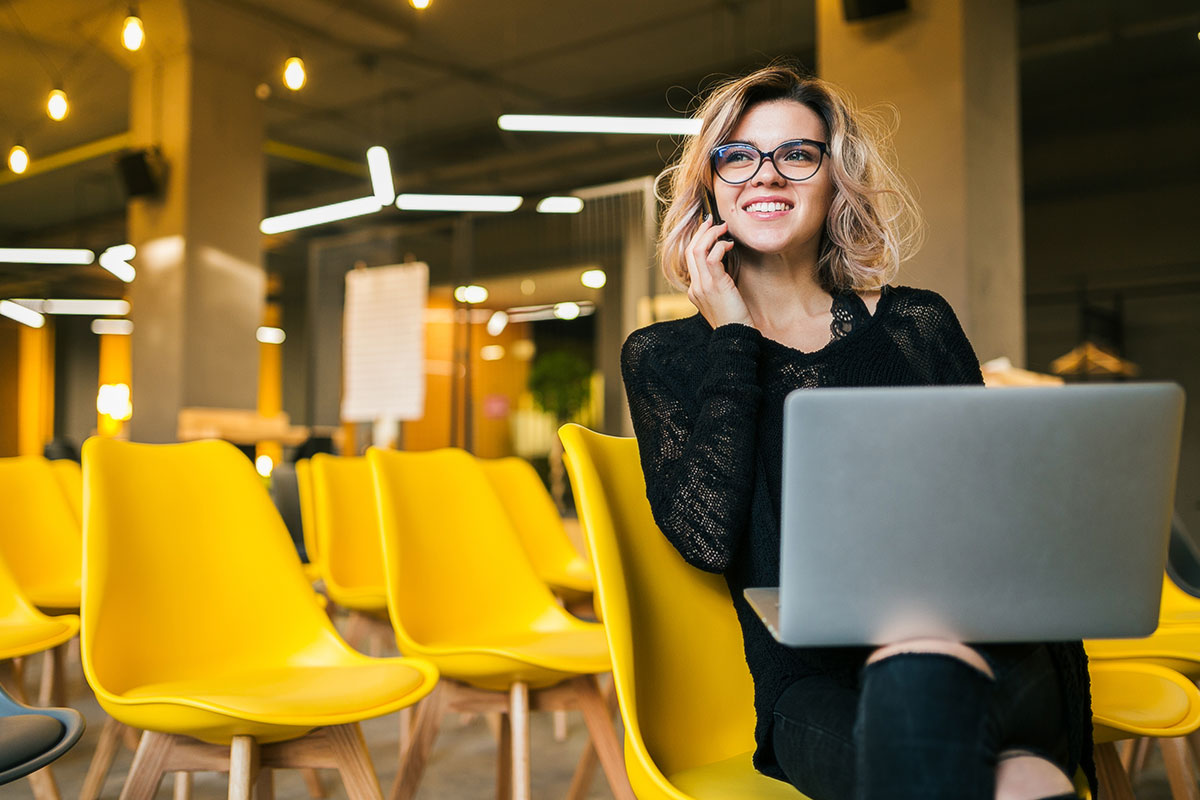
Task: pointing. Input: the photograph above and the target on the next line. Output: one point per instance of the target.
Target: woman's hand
(712, 290)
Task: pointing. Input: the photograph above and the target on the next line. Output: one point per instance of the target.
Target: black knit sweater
(707, 408)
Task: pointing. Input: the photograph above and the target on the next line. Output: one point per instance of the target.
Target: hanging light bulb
(293, 73)
(133, 34)
(18, 159)
(56, 105)
(420, 5)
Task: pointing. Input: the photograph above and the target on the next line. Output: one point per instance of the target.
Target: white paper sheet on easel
(383, 357)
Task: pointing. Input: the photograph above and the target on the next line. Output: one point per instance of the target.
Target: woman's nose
(767, 174)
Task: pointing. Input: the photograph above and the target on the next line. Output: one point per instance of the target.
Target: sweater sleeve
(697, 452)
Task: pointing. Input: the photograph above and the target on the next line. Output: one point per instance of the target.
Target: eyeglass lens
(738, 163)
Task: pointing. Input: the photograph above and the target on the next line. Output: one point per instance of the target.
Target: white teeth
(764, 207)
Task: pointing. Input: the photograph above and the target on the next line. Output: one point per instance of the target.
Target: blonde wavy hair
(873, 223)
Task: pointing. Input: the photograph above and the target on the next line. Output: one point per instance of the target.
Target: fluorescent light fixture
(583, 308)
(593, 278)
(470, 294)
(269, 335)
(22, 314)
(113, 400)
(381, 175)
(87, 308)
(46, 255)
(112, 327)
(566, 310)
(561, 123)
(491, 352)
(320, 215)
(497, 323)
(560, 205)
(458, 202)
(116, 260)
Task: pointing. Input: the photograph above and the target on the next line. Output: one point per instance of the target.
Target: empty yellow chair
(347, 525)
(39, 535)
(463, 594)
(308, 520)
(684, 690)
(70, 478)
(536, 520)
(198, 622)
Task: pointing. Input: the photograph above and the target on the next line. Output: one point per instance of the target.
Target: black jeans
(921, 725)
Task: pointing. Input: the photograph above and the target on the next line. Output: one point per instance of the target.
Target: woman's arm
(698, 456)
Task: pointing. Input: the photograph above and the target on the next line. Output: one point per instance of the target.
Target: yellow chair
(70, 478)
(688, 713)
(347, 527)
(199, 624)
(1134, 699)
(534, 516)
(24, 630)
(308, 521)
(463, 594)
(40, 536)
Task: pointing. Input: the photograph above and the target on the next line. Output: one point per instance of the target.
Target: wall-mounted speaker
(858, 10)
(141, 172)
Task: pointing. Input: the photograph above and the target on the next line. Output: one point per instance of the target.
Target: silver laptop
(981, 515)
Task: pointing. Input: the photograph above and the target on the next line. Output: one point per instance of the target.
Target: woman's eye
(799, 154)
(736, 155)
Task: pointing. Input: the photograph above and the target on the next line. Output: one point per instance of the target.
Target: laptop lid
(1017, 514)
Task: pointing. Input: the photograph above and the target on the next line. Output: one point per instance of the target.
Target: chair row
(199, 624)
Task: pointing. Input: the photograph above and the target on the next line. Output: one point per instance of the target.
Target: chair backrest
(347, 524)
(189, 570)
(455, 567)
(674, 636)
(70, 478)
(533, 514)
(308, 512)
(31, 738)
(39, 534)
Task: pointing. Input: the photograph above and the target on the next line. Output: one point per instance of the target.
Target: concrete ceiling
(429, 85)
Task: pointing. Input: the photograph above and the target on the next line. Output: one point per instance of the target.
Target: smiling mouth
(763, 208)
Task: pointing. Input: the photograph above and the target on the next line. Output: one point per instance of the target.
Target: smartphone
(709, 206)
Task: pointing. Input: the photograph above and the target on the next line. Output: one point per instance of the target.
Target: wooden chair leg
(313, 781)
(147, 770)
(429, 717)
(243, 767)
(102, 759)
(406, 725)
(1180, 773)
(12, 678)
(504, 757)
(52, 689)
(585, 773)
(598, 717)
(1114, 782)
(183, 786)
(264, 787)
(1141, 755)
(43, 785)
(560, 726)
(354, 762)
(518, 714)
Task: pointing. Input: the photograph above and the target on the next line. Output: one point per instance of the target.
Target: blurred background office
(163, 143)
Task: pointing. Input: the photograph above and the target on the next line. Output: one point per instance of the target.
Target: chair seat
(575, 576)
(26, 638)
(731, 779)
(274, 704)
(495, 660)
(25, 736)
(1141, 700)
(372, 599)
(1178, 607)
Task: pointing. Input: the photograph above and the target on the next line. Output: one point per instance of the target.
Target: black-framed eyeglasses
(797, 160)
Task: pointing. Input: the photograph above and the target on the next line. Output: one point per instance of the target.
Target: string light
(18, 159)
(293, 73)
(133, 34)
(56, 105)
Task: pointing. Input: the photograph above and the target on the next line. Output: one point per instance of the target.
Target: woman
(814, 227)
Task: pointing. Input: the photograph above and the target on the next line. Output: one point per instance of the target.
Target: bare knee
(962, 652)
(1024, 776)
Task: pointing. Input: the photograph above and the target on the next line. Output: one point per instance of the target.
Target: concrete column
(950, 68)
(199, 294)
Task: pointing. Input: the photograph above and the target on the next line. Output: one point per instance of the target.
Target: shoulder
(923, 307)
(661, 341)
